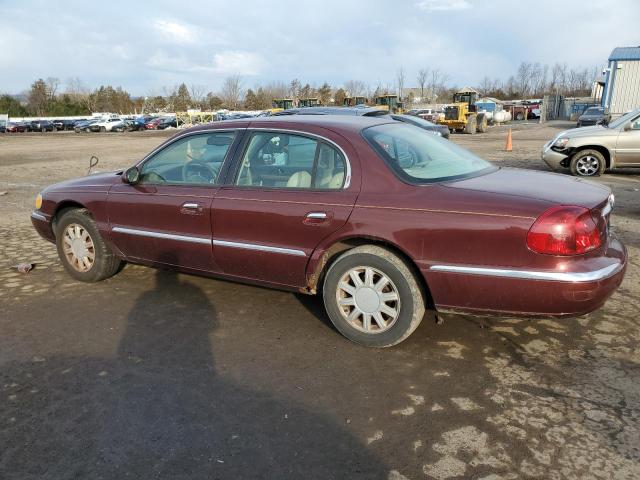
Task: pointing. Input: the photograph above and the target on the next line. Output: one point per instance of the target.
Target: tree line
(46, 98)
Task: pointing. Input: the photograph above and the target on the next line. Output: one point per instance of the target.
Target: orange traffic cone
(509, 146)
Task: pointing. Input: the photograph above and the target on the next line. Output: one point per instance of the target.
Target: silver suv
(588, 151)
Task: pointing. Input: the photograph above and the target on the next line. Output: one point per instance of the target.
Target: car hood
(589, 117)
(551, 188)
(97, 181)
(596, 130)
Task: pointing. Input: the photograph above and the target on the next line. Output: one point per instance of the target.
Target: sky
(146, 47)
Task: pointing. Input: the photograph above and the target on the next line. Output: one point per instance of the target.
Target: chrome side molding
(209, 241)
(166, 236)
(591, 276)
(261, 248)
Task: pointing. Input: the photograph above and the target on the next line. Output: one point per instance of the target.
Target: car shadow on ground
(159, 410)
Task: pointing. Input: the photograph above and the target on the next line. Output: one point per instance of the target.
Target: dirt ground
(156, 375)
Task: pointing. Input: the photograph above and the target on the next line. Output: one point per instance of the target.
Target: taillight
(565, 230)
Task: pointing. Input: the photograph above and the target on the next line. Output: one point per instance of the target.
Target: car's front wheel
(82, 251)
(372, 297)
(588, 163)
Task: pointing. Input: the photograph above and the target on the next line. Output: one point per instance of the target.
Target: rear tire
(82, 251)
(383, 307)
(588, 163)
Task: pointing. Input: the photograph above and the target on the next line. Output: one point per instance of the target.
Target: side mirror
(131, 175)
(627, 126)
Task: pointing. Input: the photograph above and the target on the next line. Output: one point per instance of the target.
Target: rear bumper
(43, 225)
(567, 293)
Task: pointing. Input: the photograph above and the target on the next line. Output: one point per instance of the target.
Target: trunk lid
(548, 187)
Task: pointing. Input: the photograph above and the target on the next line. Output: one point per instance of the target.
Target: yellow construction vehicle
(280, 104)
(354, 101)
(462, 115)
(390, 102)
(308, 102)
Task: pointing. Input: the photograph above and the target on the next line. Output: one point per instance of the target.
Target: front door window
(193, 160)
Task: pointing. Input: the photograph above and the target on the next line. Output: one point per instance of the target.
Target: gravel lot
(156, 375)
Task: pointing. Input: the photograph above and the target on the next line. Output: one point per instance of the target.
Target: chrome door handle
(317, 215)
(192, 206)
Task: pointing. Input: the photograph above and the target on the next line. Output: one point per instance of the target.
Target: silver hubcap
(368, 300)
(78, 247)
(588, 165)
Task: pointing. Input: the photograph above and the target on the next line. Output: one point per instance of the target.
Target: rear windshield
(418, 156)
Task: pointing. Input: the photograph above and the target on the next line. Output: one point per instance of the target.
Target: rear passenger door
(289, 191)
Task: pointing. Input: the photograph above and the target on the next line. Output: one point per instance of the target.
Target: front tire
(588, 163)
(372, 297)
(82, 251)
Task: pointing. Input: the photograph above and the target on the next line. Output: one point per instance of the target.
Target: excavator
(308, 102)
(389, 102)
(280, 104)
(462, 115)
(354, 101)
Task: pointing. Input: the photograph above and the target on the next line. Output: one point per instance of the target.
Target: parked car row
(82, 125)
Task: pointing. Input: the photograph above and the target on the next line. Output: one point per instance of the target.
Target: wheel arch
(599, 148)
(61, 208)
(330, 253)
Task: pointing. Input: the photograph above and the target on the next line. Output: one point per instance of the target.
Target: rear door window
(283, 160)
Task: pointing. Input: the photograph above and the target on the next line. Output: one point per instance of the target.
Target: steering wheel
(200, 167)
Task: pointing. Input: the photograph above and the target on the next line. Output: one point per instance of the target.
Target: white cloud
(443, 5)
(236, 62)
(176, 32)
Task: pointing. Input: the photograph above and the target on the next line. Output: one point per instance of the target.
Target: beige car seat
(299, 180)
(326, 167)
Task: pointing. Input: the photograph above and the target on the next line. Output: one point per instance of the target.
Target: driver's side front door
(628, 145)
(166, 217)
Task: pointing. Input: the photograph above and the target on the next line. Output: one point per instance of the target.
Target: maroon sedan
(383, 218)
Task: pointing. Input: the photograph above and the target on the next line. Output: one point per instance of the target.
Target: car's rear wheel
(82, 251)
(372, 297)
(588, 163)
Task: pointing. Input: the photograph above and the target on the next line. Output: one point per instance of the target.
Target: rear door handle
(317, 218)
(191, 208)
(317, 215)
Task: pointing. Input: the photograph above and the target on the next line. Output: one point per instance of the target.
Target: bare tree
(486, 86)
(523, 78)
(78, 91)
(52, 86)
(294, 89)
(437, 84)
(198, 94)
(231, 92)
(400, 80)
(275, 90)
(422, 78)
(355, 88)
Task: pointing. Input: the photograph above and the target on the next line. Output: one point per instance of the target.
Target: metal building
(622, 81)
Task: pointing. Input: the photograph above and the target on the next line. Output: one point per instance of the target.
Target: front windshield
(594, 111)
(624, 119)
(417, 156)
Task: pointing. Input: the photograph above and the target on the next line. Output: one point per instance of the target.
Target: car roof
(359, 111)
(338, 123)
